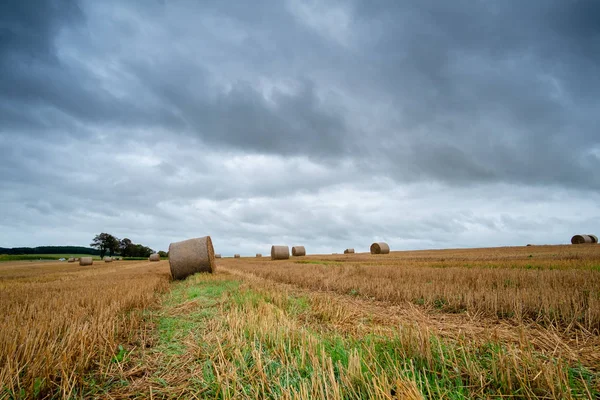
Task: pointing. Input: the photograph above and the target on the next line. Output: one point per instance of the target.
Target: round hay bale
(154, 257)
(77, 259)
(108, 259)
(86, 261)
(191, 256)
(71, 259)
(258, 255)
(280, 252)
(594, 238)
(217, 255)
(236, 256)
(380, 248)
(581, 239)
(298, 251)
(349, 251)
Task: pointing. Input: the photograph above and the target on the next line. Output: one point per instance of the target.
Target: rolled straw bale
(218, 255)
(71, 259)
(298, 251)
(236, 256)
(108, 259)
(258, 255)
(349, 251)
(581, 239)
(190, 256)
(154, 257)
(594, 238)
(280, 252)
(77, 259)
(380, 248)
(86, 261)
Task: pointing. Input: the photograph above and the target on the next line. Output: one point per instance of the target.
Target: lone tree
(105, 242)
(130, 249)
(126, 247)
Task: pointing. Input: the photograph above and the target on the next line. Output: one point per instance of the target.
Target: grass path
(224, 336)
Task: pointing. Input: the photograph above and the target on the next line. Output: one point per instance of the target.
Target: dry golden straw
(380, 248)
(154, 257)
(191, 256)
(280, 252)
(298, 251)
(86, 261)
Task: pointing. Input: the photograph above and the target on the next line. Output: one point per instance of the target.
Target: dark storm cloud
(480, 92)
(263, 118)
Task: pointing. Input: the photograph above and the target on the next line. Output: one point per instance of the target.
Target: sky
(330, 124)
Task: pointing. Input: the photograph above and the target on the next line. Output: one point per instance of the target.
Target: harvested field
(518, 322)
(60, 320)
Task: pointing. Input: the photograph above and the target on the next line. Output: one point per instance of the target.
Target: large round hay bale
(218, 255)
(86, 261)
(154, 257)
(298, 251)
(581, 239)
(236, 256)
(71, 259)
(380, 248)
(594, 238)
(191, 256)
(349, 251)
(280, 252)
(258, 255)
(108, 259)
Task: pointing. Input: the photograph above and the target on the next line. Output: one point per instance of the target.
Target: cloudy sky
(426, 124)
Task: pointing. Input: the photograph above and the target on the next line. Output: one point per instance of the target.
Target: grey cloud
(257, 119)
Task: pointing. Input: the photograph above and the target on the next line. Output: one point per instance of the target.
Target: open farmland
(520, 322)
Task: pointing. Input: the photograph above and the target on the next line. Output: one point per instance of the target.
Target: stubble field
(521, 322)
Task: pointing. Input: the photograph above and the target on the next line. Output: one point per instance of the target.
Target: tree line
(49, 250)
(107, 243)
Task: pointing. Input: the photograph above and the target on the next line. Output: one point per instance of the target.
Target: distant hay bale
(71, 259)
(258, 255)
(154, 257)
(349, 251)
(594, 238)
(298, 251)
(236, 256)
(529, 245)
(280, 252)
(581, 239)
(191, 256)
(77, 259)
(108, 259)
(86, 261)
(217, 255)
(380, 248)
